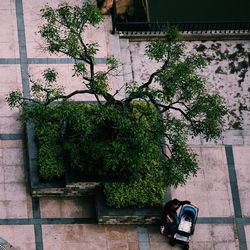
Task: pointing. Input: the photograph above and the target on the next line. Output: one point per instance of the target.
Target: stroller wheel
(172, 242)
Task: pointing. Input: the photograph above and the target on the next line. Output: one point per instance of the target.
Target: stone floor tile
(213, 155)
(133, 246)
(94, 233)
(8, 38)
(7, 5)
(5, 110)
(247, 233)
(32, 21)
(210, 185)
(241, 160)
(202, 233)
(20, 236)
(15, 191)
(73, 233)
(154, 234)
(13, 174)
(216, 233)
(71, 207)
(75, 246)
(10, 77)
(132, 234)
(50, 207)
(162, 246)
(99, 245)
(3, 210)
(222, 233)
(10, 125)
(4, 144)
(17, 209)
(2, 193)
(241, 155)
(116, 233)
(75, 236)
(201, 246)
(9, 49)
(220, 207)
(65, 78)
(53, 233)
(225, 246)
(117, 245)
(12, 156)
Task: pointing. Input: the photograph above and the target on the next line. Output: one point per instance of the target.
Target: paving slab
(10, 80)
(242, 159)
(20, 236)
(210, 189)
(14, 198)
(65, 79)
(206, 236)
(220, 75)
(32, 20)
(90, 237)
(70, 207)
(8, 38)
(247, 229)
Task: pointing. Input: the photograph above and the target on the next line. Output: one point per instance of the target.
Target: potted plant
(135, 146)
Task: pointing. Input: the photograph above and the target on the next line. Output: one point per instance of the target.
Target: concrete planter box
(72, 186)
(69, 186)
(128, 215)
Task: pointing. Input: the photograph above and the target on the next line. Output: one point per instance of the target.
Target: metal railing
(191, 27)
(233, 27)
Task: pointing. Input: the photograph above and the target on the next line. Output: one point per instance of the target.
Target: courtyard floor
(221, 188)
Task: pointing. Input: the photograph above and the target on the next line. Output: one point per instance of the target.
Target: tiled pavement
(221, 189)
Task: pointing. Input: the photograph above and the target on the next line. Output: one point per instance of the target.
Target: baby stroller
(186, 225)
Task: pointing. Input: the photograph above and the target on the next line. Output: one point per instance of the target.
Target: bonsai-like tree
(176, 103)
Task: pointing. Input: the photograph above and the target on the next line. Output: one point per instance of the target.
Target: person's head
(176, 203)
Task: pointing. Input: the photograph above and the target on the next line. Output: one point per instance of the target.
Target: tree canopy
(175, 90)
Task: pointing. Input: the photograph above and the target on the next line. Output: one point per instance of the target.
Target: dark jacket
(170, 210)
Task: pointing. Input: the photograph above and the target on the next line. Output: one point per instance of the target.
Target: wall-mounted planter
(69, 186)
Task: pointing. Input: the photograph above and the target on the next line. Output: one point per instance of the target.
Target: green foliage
(100, 84)
(49, 140)
(50, 162)
(64, 26)
(148, 190)
(50, 75)
(182, 162)
(14, 99)
(113, 141)
(112, 62)
(120, 139)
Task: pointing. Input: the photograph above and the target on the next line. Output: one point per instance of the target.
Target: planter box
(69, 186)
(128, 215)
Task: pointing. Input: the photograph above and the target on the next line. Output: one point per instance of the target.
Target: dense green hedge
(115, 143)
(146, 191)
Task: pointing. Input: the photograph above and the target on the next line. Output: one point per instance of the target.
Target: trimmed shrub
(113, 143)
(146, 191)
(50, 162)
